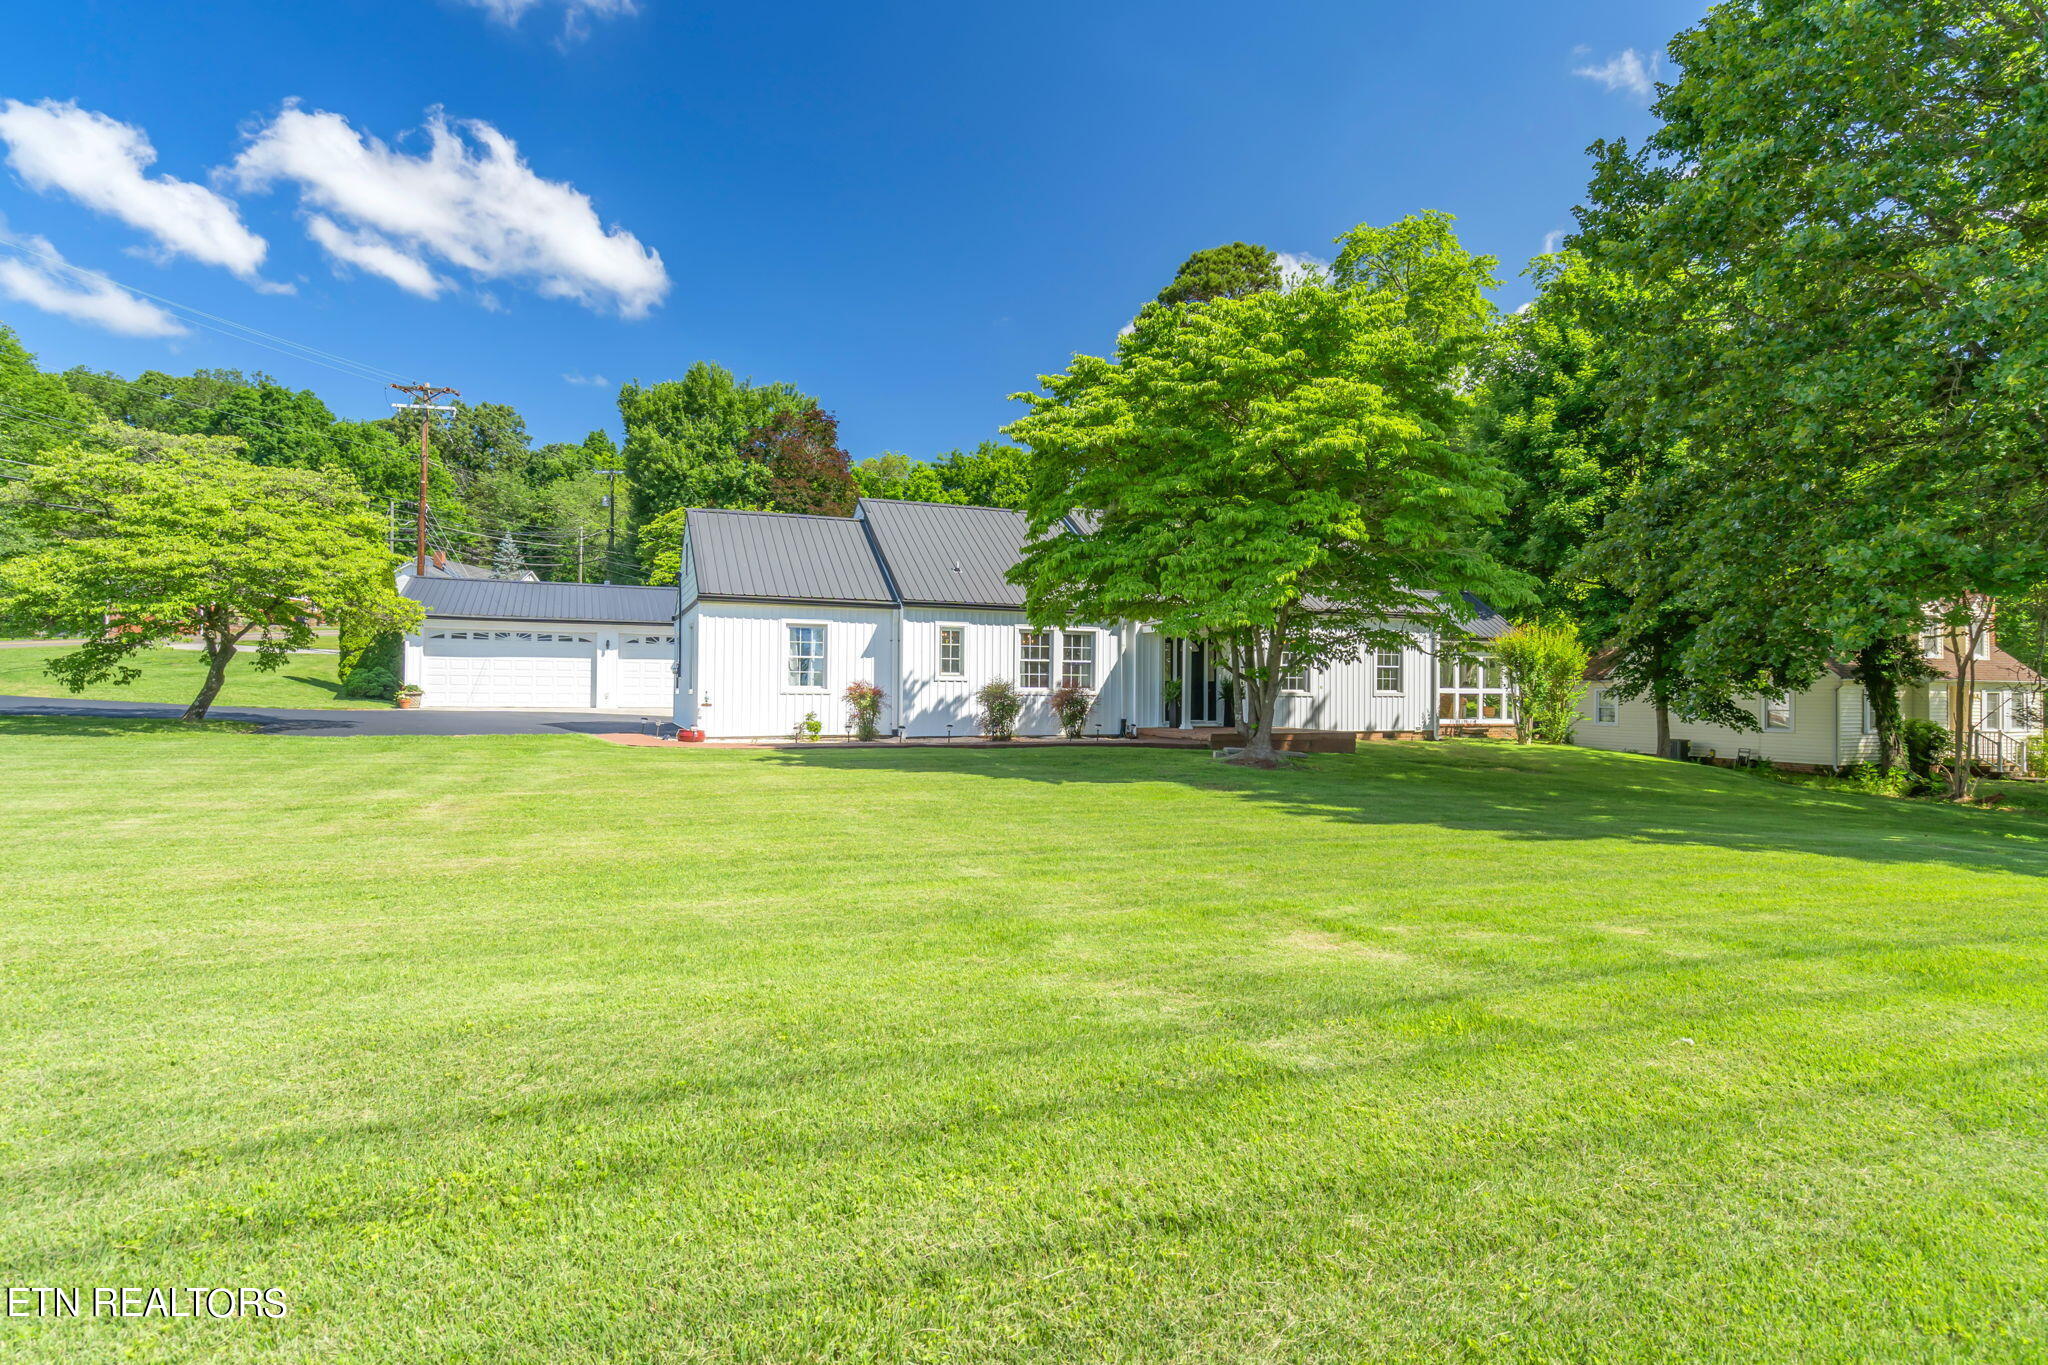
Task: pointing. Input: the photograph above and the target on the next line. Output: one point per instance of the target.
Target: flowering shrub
(999, 707)
(864, 709)
(1071, 705)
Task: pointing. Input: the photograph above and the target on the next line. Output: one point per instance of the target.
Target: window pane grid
(1077, 659)
(1034, 659)
(807, 656)
(952, 652)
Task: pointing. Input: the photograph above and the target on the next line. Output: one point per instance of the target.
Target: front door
(1208, 687)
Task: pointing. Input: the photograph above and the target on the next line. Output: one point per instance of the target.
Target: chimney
(440, 559)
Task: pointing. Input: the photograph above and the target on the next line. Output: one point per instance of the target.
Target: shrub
(369, 683)
(864, 709)
(1874, 779)
(1000, 705)
(1546, 661)
(808, 729)
(1927, 747)
(1071, 705)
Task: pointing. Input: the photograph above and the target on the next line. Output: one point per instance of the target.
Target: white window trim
(1603, 696)
(1052, 661)
(1400, 671)
(939, 656)
(1763, 714)
(1059, 656)
(788, 688)
(1308, 678)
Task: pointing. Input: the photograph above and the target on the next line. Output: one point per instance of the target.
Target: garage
(488, 669)
(495, 645)
(646, 670)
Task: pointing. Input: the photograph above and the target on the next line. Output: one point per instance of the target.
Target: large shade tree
(1283, 474)
(684, 439)
(149, 538)
(1840, 232)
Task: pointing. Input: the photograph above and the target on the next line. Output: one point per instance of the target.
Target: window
(1293, 676)
(1034, 659)
(1386, 671)
(1472, 689)
(1778, 712)
(807, 657)
(1077, 659)
(952, 651)
(1605, 712)
(1937, 704)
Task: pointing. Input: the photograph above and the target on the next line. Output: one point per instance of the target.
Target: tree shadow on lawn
(1538, 794)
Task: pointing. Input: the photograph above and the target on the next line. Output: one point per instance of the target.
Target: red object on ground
(690, 736)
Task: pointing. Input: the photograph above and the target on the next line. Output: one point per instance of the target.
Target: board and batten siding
(1812, 740)
(737, 686)
(1347, 696)
(992, 646)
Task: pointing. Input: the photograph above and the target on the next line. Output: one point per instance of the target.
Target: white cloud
(42, 278)
(469, 200)
(1299, 269)
(100, 162)
(576, 14)
(1553, 239)
(596, 381)
(368, 251)
(1627, 70)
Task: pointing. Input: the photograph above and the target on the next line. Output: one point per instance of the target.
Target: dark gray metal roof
(953, 556)
(784, 557)
(496, 600)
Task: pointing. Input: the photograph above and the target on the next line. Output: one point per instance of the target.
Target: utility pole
(611, 525)
(579, 556)
(423, 396)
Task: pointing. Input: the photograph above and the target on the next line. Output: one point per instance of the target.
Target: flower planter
(408, 703)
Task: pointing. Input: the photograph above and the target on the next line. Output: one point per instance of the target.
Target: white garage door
(491, 668)
(646, 671)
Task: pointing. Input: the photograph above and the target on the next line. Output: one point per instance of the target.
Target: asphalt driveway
(280, 720)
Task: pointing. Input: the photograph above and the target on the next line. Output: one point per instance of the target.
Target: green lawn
(174, 675)
(537, 1049)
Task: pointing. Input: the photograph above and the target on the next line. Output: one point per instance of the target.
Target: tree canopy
(1232, 271)
(149, 536)
(1285, 473)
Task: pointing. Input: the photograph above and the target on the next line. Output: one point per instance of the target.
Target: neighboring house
(781, 612)
(499, 644)
(1829, 725)
(439, 565)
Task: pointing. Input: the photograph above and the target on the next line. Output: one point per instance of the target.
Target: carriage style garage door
(646, 671)
(488, 668)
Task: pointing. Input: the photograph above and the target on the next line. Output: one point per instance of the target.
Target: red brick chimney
(440, 559)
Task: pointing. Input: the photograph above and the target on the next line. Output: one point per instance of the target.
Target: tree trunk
(1262, 695)
(1663, 710)
(221, 638)
(1877, 665)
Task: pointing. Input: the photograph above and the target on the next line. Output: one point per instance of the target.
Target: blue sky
(910, 211)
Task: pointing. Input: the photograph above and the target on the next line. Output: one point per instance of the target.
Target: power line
(242, 331)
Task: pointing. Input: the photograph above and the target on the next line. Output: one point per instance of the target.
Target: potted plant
(1169, 695)
(864, 710)
(1071, 705)
(1000, 705)
(408, 697)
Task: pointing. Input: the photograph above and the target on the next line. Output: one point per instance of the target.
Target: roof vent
(957, 568)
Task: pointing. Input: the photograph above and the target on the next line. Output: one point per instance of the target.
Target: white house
(491, 644)
(1829, 725)
(779, 613)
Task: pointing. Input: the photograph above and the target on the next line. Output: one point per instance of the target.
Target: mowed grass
(175, 675)
(537, 1049)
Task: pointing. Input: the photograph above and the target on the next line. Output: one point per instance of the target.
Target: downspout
(1434, 671)
(1128, 643)
(902, 708)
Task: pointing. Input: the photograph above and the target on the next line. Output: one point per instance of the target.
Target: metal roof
(785, 557)
(938, 553)
(497, 600)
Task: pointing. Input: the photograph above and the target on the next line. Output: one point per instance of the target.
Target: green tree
(152, 537)
(161, 402)
(992, 474)
(276, 425)
(893, 474)
(1546, 661)
(683, 440)
(1233, 271)
(1283, 474)
(1834, 234)
(37, 411)
(807, 471)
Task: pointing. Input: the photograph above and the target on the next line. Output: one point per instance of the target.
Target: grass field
(174, 675)
(535, 1049)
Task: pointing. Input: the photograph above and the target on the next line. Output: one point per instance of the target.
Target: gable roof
(784, 556)
(501, 600)
(939, 554)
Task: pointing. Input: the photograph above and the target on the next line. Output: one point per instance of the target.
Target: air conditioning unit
(1680, 749)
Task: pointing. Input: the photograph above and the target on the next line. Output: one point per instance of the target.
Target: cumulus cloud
(576, 14)
(1553, 239)
(469, 200)
(102, 163)
(368, 251)
(1299, 268)
(1628, 70)
(42, 278)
